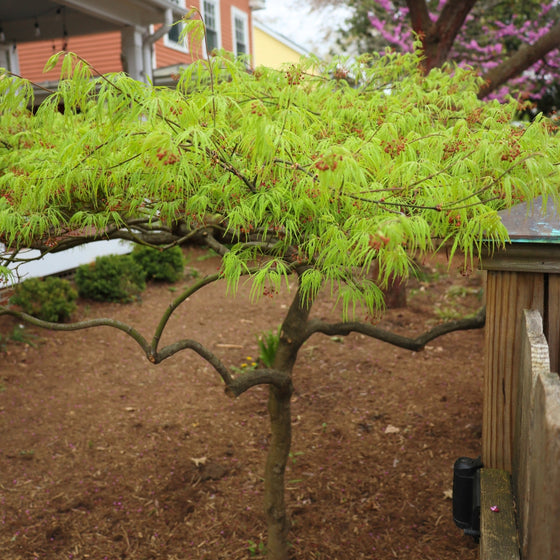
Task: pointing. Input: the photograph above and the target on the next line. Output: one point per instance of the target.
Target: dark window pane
(174, 33)
(212, 38)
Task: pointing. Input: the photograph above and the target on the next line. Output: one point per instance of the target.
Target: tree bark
(525, 57)
(438, 38)
(292, 336)
(279, 410)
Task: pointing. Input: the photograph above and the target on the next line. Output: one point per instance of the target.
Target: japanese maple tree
(293, 177)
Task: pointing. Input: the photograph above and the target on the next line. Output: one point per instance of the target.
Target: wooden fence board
(543, 518)
(534, 361)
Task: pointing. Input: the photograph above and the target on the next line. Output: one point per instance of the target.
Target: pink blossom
(391, 22)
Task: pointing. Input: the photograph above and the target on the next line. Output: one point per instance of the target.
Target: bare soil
(105, 456)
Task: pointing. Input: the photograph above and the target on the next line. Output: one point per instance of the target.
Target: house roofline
(279, 37)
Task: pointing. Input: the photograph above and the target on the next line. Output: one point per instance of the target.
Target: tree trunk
(438, 38)
(292, 336)
(279, 410)
(394, 293)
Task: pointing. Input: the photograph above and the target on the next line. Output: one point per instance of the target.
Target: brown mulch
(105, 456)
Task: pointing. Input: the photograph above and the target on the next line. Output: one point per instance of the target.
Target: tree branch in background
(524, 58)
(502, 40)
(452, 17)
(419, 17)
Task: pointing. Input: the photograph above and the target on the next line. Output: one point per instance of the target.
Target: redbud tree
(295, 178)
(513, 45)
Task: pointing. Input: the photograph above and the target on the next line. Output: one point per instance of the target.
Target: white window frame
(170, 43)
(216, 4)
(236, 13)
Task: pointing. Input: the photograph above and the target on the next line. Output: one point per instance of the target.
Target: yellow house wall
(271, 52)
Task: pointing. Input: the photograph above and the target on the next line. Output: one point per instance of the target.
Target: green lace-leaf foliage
(329, 167)
(50, 299)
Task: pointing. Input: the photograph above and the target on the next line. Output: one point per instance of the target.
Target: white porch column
(9, 58)
(147, 51)
(133, 58)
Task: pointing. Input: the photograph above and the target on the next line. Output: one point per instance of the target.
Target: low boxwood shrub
(50, 299)
(116, 278)
(164, 265)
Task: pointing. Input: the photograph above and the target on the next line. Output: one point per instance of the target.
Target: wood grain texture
(533, 363)
(542, 537)
(552, 330)
(498, 530)
(524, 257)
(507, 295)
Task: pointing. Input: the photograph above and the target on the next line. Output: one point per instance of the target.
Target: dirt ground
(105, 456)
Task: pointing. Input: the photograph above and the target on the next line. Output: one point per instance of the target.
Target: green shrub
(49, 299)
(165, 265)
(111, 278)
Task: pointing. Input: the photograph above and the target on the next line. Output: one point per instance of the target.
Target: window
(175, 33)
(240, 29)
(211, 16)
(172, 39)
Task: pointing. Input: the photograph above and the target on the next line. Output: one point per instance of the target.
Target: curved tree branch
(127, 329)
(174, 305)
(343, 329)
(137, 230)
(234, 386)
(200, 349)
(525, 57)
(214, 244)
(280, 380)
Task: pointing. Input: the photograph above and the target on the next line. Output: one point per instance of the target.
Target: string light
(59, 15)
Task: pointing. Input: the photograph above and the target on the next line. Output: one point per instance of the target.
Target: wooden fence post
(524, 275)
(536, 453)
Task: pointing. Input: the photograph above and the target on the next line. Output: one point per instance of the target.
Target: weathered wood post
(523, 275)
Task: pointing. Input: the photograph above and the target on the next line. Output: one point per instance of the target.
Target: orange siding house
(103, 51)
(135, 36)
(228, 22)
